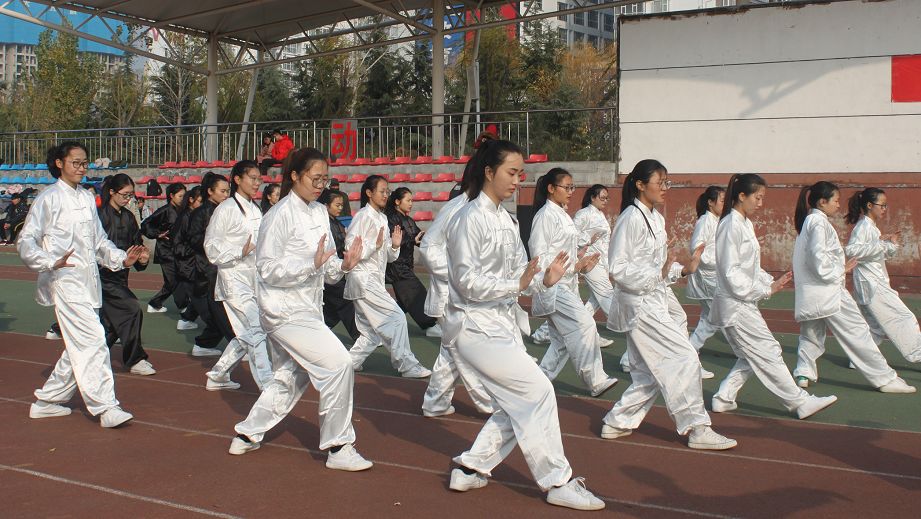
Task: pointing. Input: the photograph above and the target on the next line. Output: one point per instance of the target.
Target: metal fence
(566, 134)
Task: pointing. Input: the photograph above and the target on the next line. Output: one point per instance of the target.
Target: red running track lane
(172, 460)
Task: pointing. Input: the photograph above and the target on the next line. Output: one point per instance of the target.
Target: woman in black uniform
(157, 227)
(336, 307)
(184, 259)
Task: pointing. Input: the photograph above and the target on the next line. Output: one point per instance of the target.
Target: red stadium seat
(422, 177)
(381, 161)
(194, 179)
(341, 162)
(459, 177)
(445, 159)
(202, 164)
(357, 178)
(276, 179)
(441, 196)
(400, 177)
(422, 196)
(217, 164)
(168, 165)
(463, 159)
(423, 216)
(536, 157)
(423, 159)
(361, 161)
(445, 177)
(164, 179)
(266, 178)
(178, 179)
(186, 164)
(341, 178)
(138, 194)
(402, 160)
(354, 196)
(145, 179)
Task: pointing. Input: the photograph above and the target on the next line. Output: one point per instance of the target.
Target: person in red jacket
(279, 149)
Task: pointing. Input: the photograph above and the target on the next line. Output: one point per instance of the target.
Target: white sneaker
(802, 382)
(705, 438)
(42, 409)
(52, 336)
(143, 368)
(186, 325)
(604, 343)
(434, 331)
(813, 405)
(417, 371)
(706, 375)
(718, 405)
(625, 368)
(113, 417)
(462, 482)
(850, 365)
(540, 339)
(240, 446)
(198, 351)
(152, 310)
(574, 495)
(347, 459)
(360, 367)
(434, 414)
(182, 310)
(609, 432)
(604, 386)
(221, 385)
(897, 386)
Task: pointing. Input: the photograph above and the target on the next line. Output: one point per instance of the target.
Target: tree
(323, 84)
(416, 83)
(120, 102)
(177, 90)
(380, 90)
(274, 100)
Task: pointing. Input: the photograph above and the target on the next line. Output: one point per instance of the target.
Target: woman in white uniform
(487, 272)
(377, 316)
(702, 282)
(294, 257)
(822, 301)
(661, 356)
(884, 311)
(62, 239)
(572, 327)
(230, 241)
(740, 285)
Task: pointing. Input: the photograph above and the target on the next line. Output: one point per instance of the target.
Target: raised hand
(419, 237)
(781, 282)
(248, 247)
(397, 237)
(144, 257)
(528, 275)
(62, 261)
(556, 269)
(587, 263)
(691, 266)
(380, 238)
(163, 235)
(851, 263)
(352, 255)
(134, 253)
(322, 255)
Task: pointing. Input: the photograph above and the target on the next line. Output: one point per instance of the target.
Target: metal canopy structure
(240, 35)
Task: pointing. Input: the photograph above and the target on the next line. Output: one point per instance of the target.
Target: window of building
(636, 8)
(609, 22)
(593, 19)
(563, 36)
(593, 40)
(561, 6)
(577, 36)
(659, 6)
(578, 19)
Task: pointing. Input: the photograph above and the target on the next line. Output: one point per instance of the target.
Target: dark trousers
(338, 309)
(268, 163)
(183, 298)
(169, 284)
(122, 319)
(410, 295)
(217, 325)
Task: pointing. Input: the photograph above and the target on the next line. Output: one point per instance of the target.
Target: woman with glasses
(662, 358)
(158, 227)
(572, 327)
(295, 255)
(121, 314)
(885, 312)
(377, 316)
(230, 242)
(63, 240)
(336, 308)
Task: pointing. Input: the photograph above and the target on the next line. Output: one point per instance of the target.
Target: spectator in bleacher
(143, 210)
(281, 146)
(15, 216)
(409, 291)
(265, 151)
(184, 260)
(336, 308)
(346, 208)
(271, 193)
(121, 315)
(158, 227)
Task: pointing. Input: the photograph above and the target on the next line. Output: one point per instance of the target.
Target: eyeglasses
(126, 196)
(664, 184)
(884, 206)
(320, 182)
(569, 189)
(386, 191)
(80, 164)
(252, 178)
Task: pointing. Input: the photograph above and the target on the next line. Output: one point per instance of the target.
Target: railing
(565, 134)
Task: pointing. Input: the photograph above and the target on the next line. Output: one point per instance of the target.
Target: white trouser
(888, 316)
(601, 291)
(704, 329)
(661, 359)
(676, 312)
(381, 321)
(243, 314)
(84, 364)
(759, 352)
(853, 335)
(526, 414)
(572, 336)
(542, 333)
(447, 369)
(306, 353)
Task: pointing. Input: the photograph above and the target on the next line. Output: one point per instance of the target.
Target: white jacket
(636, 256)
(552, 232)
(740, 281)
(61, 219)
(234, 221)
(702, 283)
(590, 221)
(369, 272)
(289, 289)
(433, 251)
(871, 252)
(818, 269)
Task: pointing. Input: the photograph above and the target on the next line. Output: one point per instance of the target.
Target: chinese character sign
(343, 139)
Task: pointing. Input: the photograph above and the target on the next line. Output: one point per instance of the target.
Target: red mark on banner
(344, 137)
(906, 79)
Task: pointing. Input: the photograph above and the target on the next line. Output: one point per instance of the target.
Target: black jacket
(159, 222)
(198, 224)
(183, 254)
(402, 267)
(122, 229)
(16, 213)
(339, 232)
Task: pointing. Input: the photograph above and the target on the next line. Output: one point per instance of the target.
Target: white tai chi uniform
(885, 312)
(62, 219)
(740, 285)
(377, 316)
(702, 282)
(661, 356)
(572, 327)
(823, 301)
(447, 369)
(289, 290)
(486, 259)
(235, 221)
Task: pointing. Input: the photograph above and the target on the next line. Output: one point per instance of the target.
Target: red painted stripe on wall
(906, 79)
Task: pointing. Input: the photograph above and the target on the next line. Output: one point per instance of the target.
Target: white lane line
(116, 492)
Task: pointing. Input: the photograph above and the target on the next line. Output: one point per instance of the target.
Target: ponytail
(857, 204)
(239, 169)
(711, 194)
(591, 194)
(298, 161)
(642, 172)
(491, 152)
(739, 184)
(114, 183)
(809, 198)
(395, 195)
(551, 178)
(370, 185)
